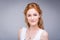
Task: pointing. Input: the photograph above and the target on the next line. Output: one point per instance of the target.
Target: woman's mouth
(32, 21)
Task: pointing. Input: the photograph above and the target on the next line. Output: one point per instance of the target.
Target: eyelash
(33, 14)
(29, 15)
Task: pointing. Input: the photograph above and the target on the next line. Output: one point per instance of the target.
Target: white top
(37, 37)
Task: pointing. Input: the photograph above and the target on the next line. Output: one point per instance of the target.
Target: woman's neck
(34, 27)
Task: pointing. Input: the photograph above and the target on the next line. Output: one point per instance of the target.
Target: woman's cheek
(28, 19)
(36, 19)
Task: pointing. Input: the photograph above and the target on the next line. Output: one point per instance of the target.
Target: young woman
(35, 29)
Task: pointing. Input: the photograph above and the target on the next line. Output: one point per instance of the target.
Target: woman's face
(32, 16)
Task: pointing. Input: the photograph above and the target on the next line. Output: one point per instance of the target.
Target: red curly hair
(37, 8)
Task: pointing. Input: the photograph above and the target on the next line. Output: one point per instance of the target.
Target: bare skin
(32, 31)
(33, 17)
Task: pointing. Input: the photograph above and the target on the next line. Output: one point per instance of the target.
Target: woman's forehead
(32, 11)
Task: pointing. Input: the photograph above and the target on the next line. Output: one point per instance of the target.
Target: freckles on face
(32, 16)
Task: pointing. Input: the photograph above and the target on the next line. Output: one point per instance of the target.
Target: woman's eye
(29, 15)
(35, 14)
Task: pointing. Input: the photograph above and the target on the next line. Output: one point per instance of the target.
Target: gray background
(12, 17)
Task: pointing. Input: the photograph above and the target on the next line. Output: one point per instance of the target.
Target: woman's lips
(32, 21)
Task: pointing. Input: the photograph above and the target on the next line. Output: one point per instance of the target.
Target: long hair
(37, 8)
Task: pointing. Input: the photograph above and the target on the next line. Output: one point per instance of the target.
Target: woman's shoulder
(21, 29)
(45, 34)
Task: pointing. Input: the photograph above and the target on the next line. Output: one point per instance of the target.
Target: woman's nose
(32, 17)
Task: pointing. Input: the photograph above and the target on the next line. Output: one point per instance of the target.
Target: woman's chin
(32, 24)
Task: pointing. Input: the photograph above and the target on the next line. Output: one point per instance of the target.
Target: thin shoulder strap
(38, 36)
(22, 35)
